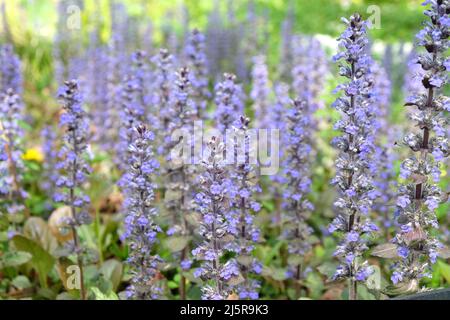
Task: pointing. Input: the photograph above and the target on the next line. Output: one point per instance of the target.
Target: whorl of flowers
(140, 228)
(179, 184)
(73, 167)
(277, 114)
(310, 67)
(49, 149)
(296, 206)
(109, 118)
(285, 46)
(414, 73)
(229, 102)
(99, 98)
(177, 170)
(355, 145)
(419, 195)
(212, 203)
(198, 76)
(243, 208)
(73, 164)
(11, 164)
(10, 74)
(162, 85)
(384, 153)
(260, 92)
(133, 106)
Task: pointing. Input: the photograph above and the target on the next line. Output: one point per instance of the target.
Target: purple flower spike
(140, 228)
(212, 203)
(419, 195)
(353, 177)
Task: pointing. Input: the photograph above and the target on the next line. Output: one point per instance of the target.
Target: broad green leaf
(36, 228)
(21, 282)
(373, 282)
(176, 244)
(14, 259)
(278, 274)
(112, 270)
(445, 270)
(385, 250)
(4, 223)
(327, 269)
(41, 260)
(102, 296)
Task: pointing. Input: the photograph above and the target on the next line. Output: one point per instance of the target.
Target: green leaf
(102, 296)
(21, 282)
(373, 282)
(36, 229)
(65, 296)
(4, 223)
(269, 205)
(172, 285)
(327, 269)
(294, 260)
(14, 259)
(112, 270)
(445, 270)
(278, 274)
(385, 250)
(176, 244)
(41, 260)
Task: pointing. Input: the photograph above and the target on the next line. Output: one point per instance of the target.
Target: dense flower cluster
(133, 106)
(296, 206)
(285, 45)
(73, 164)
(178, 171)
(277, 114)
(101, 95)
(10, 74)
(419, 195)
(163, 79)
(310, 67)
(49, 149)
(384, 155)
(141, 229)
(229, 101)
(242, 210)
(11, 164)
(197, 63)
(74, 167)
(413, 76)
(260, 92)
(213, 204)
(355, 146)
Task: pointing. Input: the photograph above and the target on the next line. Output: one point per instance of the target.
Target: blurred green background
(32, 27)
